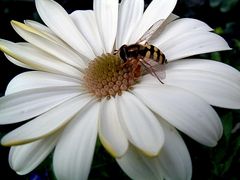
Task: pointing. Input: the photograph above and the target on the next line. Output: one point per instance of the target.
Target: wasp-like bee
(139, 51)
(139, 54)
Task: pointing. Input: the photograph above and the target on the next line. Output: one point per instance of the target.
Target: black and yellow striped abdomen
(152, 52)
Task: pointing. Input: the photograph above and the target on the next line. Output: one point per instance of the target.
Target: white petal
(134, 164)
(216, 90)
(30, 103)
(57, 19)
(47, 123)
(171, 18)
(174, 159)
(110, 131)
(45, 32)
(217, 83)
(24, 158)
(192, 43)
(184, 110)
(130, 13)
(140, 125)
(180, 27)
(37, 59)
(173, 162)
(157, 10)
(87, 25)
(106, 12)
(37, 79)
(16, 62)
(215, 67)
(47, 44)
(42, 28)
(74, 152)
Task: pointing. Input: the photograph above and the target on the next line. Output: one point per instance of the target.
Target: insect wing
(161, 71)
(147, 35)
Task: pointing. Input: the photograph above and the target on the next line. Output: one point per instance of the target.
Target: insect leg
(115, 51)
(149, 68)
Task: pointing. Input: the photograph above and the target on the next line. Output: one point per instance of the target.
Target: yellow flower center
(108, 76)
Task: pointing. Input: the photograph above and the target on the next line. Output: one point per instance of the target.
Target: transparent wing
(147, 35)
(155, 69)
(161, 71)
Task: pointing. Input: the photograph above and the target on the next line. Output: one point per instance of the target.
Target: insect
(140, 54)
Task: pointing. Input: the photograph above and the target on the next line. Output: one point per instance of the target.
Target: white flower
(138, 125)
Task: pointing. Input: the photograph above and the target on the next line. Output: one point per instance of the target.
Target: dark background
(220, 162)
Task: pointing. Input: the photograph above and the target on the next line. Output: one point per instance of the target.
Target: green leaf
(227, 5)
(219, 30)
(227, 121)
(216, 56)
(228, 162)
(237, 145)
(237, 43)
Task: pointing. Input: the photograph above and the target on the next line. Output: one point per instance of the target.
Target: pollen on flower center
(108, 76)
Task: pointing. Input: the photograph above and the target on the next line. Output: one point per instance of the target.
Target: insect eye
(123, 53)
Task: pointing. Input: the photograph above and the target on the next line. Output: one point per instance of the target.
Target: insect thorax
(132, 51)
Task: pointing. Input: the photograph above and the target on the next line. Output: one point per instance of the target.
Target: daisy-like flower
(81, 90)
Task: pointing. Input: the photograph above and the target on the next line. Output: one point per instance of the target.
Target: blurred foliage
(224, 5)
(219, 163)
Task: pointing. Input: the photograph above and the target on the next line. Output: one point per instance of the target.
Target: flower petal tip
(9, 143)
(6, 141)
(213, 144)
(113, 152)
(151, 154)
(3, 47)
(14, 22)
(18, 25)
